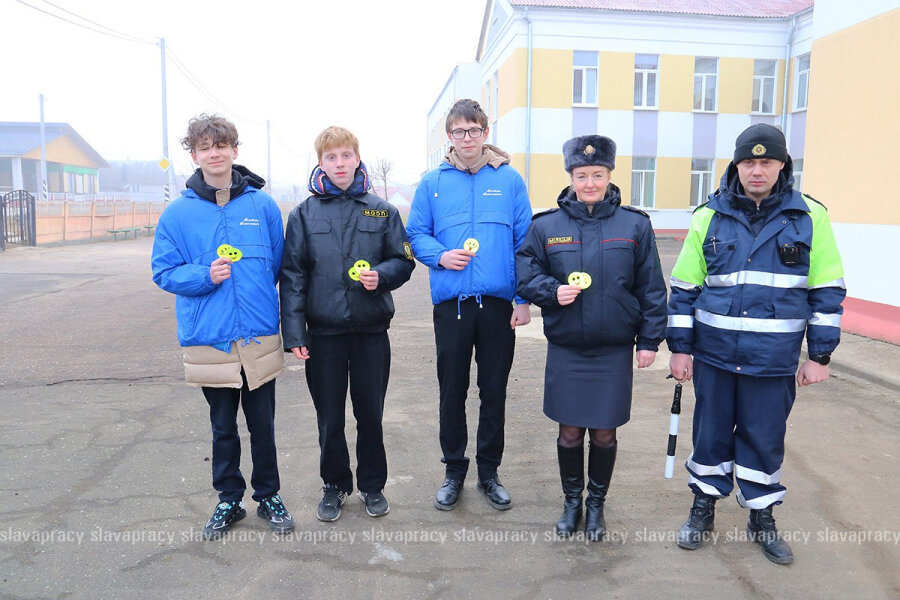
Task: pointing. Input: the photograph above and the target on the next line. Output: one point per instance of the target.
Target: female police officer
(593, 268)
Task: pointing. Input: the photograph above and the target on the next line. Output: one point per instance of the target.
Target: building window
(705, 71)
(646, 75)
(584, 78)
(763, 86)
(802, 82)
(798, 174)
(643, 179)
(701, 180)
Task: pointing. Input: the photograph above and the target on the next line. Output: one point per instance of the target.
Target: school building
(675, 82)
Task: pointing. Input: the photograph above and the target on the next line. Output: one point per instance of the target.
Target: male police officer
(759, 267)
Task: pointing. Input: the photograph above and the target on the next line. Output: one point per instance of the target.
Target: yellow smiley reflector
(579, 279)
(362, 265)
(227, 251)
(471, 245)
(353, 273)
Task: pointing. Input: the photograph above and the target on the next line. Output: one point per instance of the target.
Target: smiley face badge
(226, 251)
(580, 279)
(471, 245)
(360, 265)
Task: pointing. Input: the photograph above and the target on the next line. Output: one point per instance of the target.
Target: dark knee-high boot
(571, 473)
(600, 467)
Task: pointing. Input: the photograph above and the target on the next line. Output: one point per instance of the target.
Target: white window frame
(703, 77)
(647, 178)
(644, 74)
(759, 82)
(798, 174)
(704, 176)
(801, 81)
(580, 72)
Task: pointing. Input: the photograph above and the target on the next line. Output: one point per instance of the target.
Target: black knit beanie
(760, 141)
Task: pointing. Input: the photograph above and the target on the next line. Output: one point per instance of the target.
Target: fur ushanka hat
(588, 151)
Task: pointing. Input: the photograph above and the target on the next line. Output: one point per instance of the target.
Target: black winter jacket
(615, 245)
(325, 235)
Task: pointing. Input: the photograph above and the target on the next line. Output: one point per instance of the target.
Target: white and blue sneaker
(272, 510)
(225, 515)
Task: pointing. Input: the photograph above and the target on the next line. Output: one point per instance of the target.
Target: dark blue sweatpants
(739, 427)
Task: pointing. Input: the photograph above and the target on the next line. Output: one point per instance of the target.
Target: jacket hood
(320, 185)
(568, 202)
(241, 177)
(490, 155)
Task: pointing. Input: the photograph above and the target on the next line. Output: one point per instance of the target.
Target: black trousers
(366, 359)
(259, 411)
(458, 328)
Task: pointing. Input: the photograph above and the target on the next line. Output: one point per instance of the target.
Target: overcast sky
(374, 67)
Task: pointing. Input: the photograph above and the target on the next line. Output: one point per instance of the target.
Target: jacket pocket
(446, 223)
(563, 259)
(715, 301)
(718, 254)
(370, 239)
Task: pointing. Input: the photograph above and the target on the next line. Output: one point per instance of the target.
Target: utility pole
(165, 123)
(43, 154)
(269, 157)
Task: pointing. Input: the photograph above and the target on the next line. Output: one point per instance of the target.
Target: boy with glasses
(468, 218)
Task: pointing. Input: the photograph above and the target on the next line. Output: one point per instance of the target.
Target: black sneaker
(330, 505)
(225, 515)
(376, 503)
(272, 510)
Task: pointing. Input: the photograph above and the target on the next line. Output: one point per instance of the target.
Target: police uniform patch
(371, 212)
(407, 250)
(588, 150)
(758, 150)
(560, 240)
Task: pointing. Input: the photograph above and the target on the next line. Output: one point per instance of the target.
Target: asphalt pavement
(105, 479)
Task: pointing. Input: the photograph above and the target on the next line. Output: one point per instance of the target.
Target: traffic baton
(673, 429)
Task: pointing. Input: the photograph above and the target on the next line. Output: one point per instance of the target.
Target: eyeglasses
(474, 133)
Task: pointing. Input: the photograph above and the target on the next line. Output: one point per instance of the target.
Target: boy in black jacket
(345, 250)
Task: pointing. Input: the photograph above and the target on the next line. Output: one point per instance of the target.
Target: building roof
(18, 138)
(760, 9)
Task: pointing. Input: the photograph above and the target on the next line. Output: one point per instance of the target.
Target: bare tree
(296, 194)
(380, 173)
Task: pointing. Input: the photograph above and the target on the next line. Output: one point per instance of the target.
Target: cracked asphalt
(105, 477)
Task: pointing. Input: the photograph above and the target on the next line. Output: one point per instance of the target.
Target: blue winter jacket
(451, 206)
(742, 301)
(189, 232)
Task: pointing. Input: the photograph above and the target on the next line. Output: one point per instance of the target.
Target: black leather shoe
(700, 521)
(761, 528)
(447, 497)
(495, 493)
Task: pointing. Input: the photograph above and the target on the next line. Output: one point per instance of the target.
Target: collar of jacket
(578, 210)
(241, 177)
(320, 185)
(490, 155)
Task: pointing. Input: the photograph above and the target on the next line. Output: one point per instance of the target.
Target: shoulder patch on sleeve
(542, 213)
(634, 209)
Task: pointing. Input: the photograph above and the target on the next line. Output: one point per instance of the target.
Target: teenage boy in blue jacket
(468, 218)
(218, 249)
